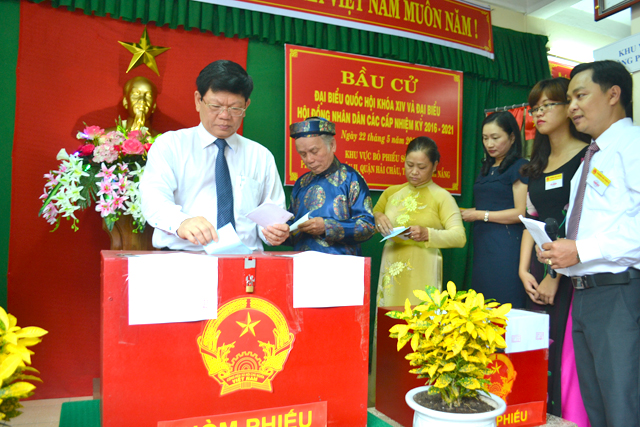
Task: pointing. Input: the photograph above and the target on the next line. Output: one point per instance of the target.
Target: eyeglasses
(218, 109)
(544, 107)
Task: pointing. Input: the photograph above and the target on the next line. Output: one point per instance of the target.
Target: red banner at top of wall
(560, 70)
(451, 23)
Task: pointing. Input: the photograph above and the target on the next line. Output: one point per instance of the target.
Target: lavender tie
(576, 211)
(224, 190)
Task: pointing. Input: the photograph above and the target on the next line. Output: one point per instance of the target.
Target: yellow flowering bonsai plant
(452, 334)
(14, 358)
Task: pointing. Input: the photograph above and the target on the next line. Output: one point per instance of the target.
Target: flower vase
(425, 417)
(124, 239)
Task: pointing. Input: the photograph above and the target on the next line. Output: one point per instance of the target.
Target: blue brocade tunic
(341, 197)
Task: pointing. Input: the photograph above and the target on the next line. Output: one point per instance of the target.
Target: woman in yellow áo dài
(413, 259)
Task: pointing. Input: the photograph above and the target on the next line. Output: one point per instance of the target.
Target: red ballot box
(165, 372)
(520, 378)
(521, 372)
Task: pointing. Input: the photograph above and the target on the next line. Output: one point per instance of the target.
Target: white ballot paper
(172, 288)
(228, 243)
(526, 331)
(326, 280)
(396, 231)
(295, 225)
(540, 236)
(268, 214)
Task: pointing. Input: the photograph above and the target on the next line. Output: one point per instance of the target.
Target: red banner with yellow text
(560, 70)
(378, 107)
(305, 415)
(452, 23)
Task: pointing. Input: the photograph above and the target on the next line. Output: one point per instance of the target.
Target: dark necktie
(576, 211)
(223, 187)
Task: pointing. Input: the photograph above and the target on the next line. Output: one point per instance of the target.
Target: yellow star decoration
(144, 52)
(248, 326)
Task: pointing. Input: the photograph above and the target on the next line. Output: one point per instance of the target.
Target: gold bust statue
(140, 101)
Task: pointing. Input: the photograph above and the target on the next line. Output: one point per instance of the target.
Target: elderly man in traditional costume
(334, 195)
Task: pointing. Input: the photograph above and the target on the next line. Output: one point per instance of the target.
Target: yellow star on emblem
(144, 52)
(248, 326)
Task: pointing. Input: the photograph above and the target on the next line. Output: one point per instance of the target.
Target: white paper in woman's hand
(396, 231)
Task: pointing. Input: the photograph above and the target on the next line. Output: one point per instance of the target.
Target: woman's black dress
(496, 247)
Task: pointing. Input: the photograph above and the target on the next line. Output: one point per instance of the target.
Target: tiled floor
(42, 413)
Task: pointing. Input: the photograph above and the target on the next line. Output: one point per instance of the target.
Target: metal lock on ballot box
(249, 274)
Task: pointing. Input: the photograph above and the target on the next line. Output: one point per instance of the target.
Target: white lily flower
(62, 155)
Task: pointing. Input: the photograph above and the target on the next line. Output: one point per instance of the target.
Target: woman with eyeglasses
(500, 194)
(558, 150)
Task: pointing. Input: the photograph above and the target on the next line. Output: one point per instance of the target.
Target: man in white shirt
(188, 191)
(602, 249)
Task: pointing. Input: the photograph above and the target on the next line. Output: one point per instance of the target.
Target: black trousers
(606, 339)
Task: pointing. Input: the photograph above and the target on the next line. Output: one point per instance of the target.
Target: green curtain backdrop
(9, 34)
(520, 61)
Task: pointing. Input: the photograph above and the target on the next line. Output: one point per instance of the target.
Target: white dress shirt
(179, 183)
(609, 233)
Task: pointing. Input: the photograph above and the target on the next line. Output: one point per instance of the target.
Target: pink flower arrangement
(105, 169)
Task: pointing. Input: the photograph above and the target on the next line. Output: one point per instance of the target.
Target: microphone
(551, 228)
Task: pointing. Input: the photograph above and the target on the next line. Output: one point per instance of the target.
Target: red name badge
(305, 415)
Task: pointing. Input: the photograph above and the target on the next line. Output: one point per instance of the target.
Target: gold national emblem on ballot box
(503, 375)
(247, 345)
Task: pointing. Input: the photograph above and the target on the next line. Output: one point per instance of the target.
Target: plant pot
(424, 417)
(124, 239)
